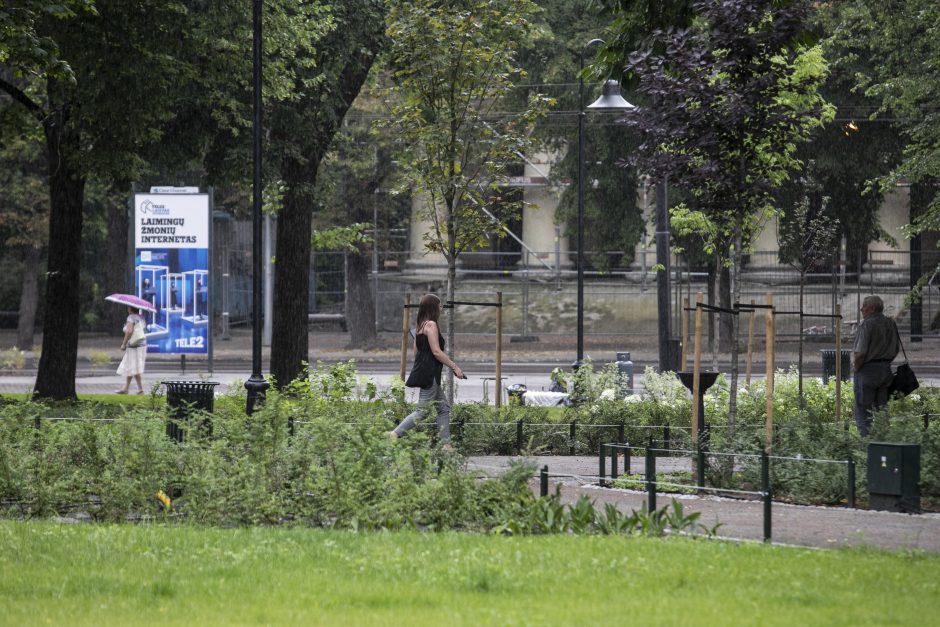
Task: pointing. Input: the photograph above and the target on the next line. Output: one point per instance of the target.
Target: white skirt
(133, 362)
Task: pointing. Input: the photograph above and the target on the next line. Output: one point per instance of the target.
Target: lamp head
(611, 100)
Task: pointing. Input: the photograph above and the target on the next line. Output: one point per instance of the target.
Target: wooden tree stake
(750, 346)
(499, 349)
(696, 366)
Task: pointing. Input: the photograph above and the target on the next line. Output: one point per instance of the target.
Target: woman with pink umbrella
(134, 344)
(135, 351)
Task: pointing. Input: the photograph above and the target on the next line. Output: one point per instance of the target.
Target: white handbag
(137, 338)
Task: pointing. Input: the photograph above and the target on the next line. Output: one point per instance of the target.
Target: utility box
(894, 477)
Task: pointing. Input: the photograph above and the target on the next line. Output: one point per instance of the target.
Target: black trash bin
(182, 399)
(515, 392)
(829, 364)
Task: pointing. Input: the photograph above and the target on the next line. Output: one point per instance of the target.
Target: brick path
(813, 526)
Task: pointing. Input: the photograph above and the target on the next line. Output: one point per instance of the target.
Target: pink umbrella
(131, 301)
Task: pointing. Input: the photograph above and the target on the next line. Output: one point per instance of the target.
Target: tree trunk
(290, 339)
(116, 271)
(55, 378)
(29, 300)
(360, 303)
(357, 41)
(734, 276)
(725, 320)
(451, 292)
(712, 288)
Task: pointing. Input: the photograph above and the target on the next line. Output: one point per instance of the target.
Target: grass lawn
(95, 574)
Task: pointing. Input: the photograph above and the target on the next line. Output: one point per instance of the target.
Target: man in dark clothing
(876, 345)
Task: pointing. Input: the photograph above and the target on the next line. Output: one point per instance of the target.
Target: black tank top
(427, 369)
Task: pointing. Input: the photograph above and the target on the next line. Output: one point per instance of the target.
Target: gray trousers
(871, 392)
(427, 398)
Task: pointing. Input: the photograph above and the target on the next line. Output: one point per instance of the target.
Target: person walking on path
(135, 351)
(430, 360)
(876, 345)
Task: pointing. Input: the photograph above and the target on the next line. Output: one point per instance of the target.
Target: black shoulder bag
(905, 381)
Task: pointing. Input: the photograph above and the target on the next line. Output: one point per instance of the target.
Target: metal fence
(540, 293)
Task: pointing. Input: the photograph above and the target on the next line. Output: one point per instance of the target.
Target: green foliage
(807, 235)
(453, 66)
(548, 515)
(636, 481)
(588, 385)
(315, 460)
(892, 49)
(25, 47)
(316, 454)
(12, 358)
(352, 238)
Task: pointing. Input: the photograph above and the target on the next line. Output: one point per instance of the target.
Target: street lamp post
(256, 386)
(667, 357)
(610, 100)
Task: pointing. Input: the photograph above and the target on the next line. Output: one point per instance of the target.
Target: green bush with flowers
(316, 453)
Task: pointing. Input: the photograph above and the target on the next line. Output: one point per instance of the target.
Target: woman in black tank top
(430, 360)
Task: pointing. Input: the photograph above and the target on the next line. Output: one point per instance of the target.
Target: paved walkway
(813, 526)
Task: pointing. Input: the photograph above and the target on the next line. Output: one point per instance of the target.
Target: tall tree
(454, 64)
(897, 41)
(99, 80)
(851, 151)
(730, 99)
(897, 45)
(806, 236)
(302, 128)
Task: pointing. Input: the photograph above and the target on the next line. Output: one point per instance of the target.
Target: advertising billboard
(171, 270)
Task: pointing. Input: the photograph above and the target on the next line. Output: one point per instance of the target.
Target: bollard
(543, 481)
(851, 468)
(621, 432)
(519, 436)
(650, 477)
(572, 436)
(765, 489)
(602, 466)
(626, 459)
(666, 438)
